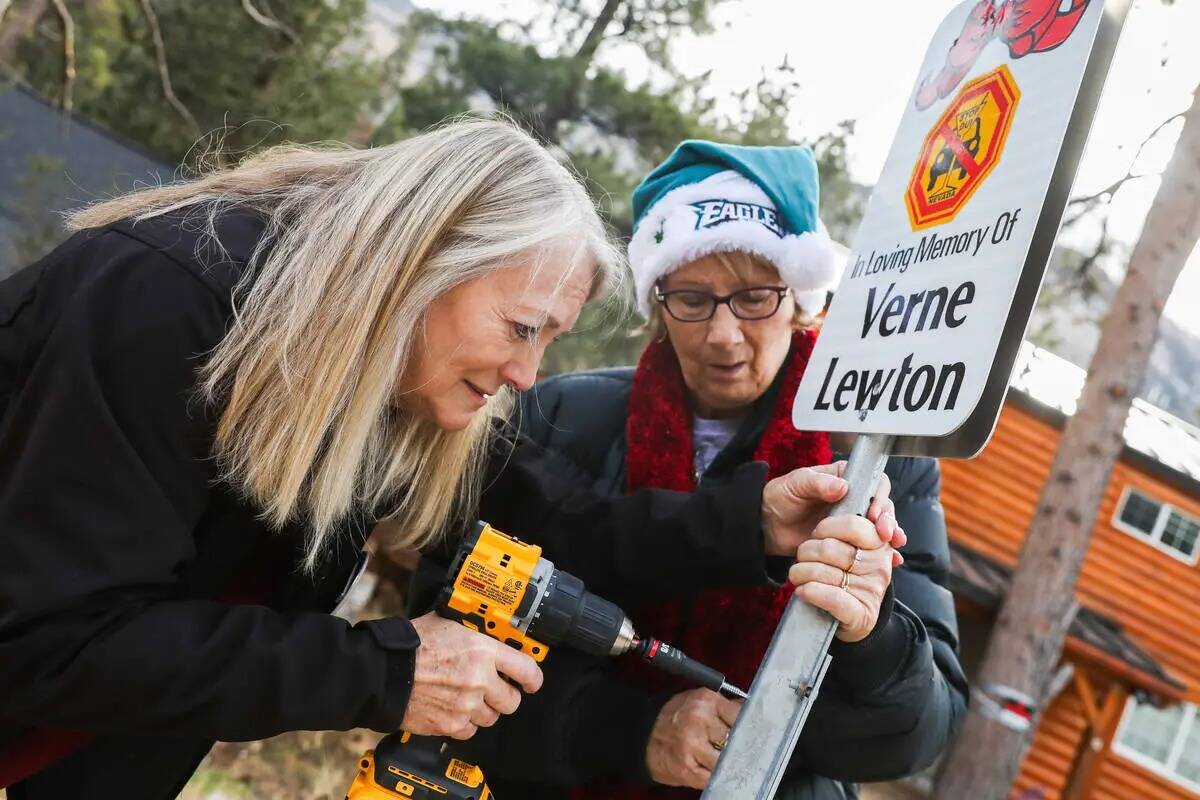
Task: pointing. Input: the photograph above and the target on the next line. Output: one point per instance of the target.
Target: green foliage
(227, 69)
(651, 25)
(310, 78)
(842, 200)
(611, 132)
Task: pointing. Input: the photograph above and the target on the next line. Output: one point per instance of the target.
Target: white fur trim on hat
(683, 226)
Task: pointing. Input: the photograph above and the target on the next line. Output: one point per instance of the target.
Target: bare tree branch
(68, 26)
(567, 103)
(1157, 129)
(160, 55)
(1084, 268)
(268, 21)
(1083, 205)
(1111, 189)
(587, 50)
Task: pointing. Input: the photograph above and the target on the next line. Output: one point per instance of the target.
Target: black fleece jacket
(144, 602)
(889, 704)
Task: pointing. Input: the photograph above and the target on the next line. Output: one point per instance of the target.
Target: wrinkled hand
(459, 680)
(793, 505)
(688, 736)
(845, 569)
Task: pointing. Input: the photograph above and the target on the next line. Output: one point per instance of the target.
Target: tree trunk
(1028, 637)
(569, 102)
(17, 24)
(587, 50)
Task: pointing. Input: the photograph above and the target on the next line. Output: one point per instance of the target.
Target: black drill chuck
(569, 614)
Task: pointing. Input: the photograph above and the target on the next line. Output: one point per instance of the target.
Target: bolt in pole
(762, 740)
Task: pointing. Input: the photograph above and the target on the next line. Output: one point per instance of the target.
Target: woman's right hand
(461, 680)
(691, 730)
(795, 503)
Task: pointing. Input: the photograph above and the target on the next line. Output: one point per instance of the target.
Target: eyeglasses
(690, 305)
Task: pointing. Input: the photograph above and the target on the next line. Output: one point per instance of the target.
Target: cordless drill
(502, 587)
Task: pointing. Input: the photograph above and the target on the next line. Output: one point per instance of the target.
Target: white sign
(914, 326)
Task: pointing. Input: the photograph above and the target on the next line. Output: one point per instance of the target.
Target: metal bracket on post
(761, 743)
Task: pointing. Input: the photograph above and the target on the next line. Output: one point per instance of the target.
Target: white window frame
(1166, 771)
(1154, 538)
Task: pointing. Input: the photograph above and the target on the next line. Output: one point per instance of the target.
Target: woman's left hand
(689, 734)
(845, 570)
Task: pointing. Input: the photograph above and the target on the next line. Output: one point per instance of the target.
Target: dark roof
(984, 582)
(58, 162)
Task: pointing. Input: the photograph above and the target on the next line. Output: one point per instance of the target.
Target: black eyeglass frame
(722, 300)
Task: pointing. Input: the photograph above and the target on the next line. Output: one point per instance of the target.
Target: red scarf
(659, 435)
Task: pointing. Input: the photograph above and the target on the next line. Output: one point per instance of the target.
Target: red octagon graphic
(961, 148)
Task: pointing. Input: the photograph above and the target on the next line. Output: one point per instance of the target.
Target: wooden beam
(1079, 649)
(1096, 742)
(1114, 703)
(1084, 687)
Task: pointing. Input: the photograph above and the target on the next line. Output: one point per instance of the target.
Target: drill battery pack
(416, 768)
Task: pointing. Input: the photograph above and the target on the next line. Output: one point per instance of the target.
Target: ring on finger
(721, 745)
(845, 579)
(857, 557)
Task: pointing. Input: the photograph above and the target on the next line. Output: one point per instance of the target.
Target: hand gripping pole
(761, 743)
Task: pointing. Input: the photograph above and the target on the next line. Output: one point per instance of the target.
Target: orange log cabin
(1124, 722)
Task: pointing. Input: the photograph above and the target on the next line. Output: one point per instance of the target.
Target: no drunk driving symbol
(961, 148)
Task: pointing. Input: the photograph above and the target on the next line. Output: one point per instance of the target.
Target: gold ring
(845, 579)
(857, 557)
(724, 742)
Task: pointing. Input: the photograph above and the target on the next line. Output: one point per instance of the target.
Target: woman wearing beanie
(731, 265)
(211, 392)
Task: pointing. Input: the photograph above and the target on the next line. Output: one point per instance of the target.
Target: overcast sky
(858, 59)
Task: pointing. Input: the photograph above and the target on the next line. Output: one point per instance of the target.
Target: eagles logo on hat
(712, 198)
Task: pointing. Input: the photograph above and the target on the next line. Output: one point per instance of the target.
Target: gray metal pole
(761, 743)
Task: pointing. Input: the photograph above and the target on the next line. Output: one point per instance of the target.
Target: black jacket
(143, 601)
(889, 704)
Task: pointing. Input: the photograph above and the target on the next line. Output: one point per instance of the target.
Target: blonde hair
(358, 244)
(739, 263)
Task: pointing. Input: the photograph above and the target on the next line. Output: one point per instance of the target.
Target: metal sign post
(917, 348)
(786, 685)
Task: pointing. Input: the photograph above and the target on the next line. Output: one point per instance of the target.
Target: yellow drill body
(503, 588)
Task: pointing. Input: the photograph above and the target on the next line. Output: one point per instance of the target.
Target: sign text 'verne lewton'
(888, 313)
(926, 387)
(923, 388)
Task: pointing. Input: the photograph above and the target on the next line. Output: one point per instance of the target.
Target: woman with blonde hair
(211, 392)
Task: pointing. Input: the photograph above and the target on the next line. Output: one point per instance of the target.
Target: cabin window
(1160, 523)
(1164, 740)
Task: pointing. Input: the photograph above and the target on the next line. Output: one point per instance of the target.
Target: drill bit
(728, 688)
(673, 660)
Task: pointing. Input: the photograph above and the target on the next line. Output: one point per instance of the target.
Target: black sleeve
(104, 475)
(901, 694)
(639, 548)
(584, 725)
